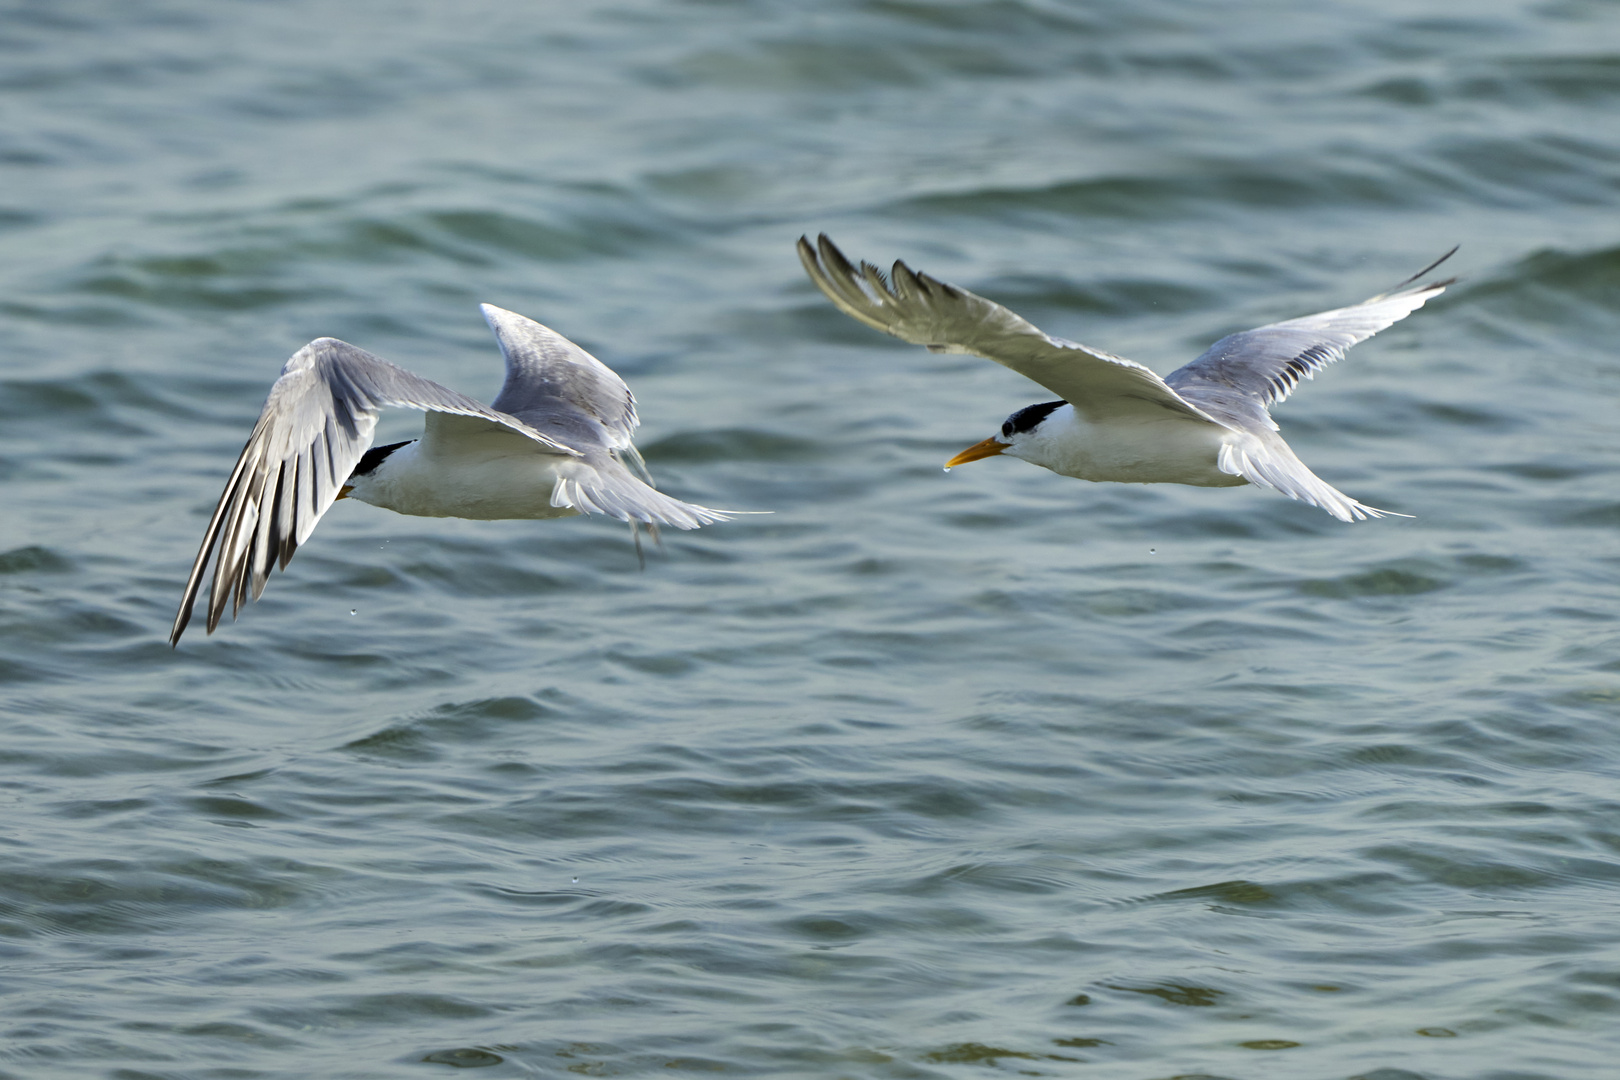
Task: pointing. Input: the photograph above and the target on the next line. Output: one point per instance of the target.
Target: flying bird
(556, 442)
(1207, 424)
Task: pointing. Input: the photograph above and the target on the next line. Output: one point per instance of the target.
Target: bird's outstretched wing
(603, 485)
(1242, 375)
(553, 383)
(1261, 457)
(925, 311)
(316, 424)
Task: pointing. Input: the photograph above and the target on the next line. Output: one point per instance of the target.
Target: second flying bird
(555, 442)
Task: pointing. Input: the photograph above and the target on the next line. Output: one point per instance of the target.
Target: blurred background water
(924, 775)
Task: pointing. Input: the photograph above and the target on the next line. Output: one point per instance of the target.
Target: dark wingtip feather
(832, 258)
(1427, 269)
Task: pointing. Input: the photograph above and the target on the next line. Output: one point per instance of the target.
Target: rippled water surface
(924, 775)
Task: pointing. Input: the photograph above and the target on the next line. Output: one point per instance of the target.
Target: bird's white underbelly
(489, 487)
(1169, 451)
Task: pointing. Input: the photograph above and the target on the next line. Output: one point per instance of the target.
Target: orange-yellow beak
(343, 492)
(989, 448)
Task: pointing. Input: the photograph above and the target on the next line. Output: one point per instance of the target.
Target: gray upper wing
(551, 381)
(1243, 374)
(316, 424)
(554, 383)
(925, 311)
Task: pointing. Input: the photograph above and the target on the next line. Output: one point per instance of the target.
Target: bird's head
(1018, 430)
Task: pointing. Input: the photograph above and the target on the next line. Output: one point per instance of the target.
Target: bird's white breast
(1130, 451)
(496, 478)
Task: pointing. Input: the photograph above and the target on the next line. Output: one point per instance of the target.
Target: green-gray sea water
(923, 775)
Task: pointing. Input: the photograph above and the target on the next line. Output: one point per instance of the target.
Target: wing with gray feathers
(552, 381)
(603, 485)
(316, 424)
(1243, 374)
(1262, 458)
(925, 311)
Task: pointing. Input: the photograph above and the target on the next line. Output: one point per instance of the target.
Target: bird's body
(473, 470)
(1207, 424)
(1170, 450)
(556, 442)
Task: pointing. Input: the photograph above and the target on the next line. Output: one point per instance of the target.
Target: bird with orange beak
(1207, 424)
